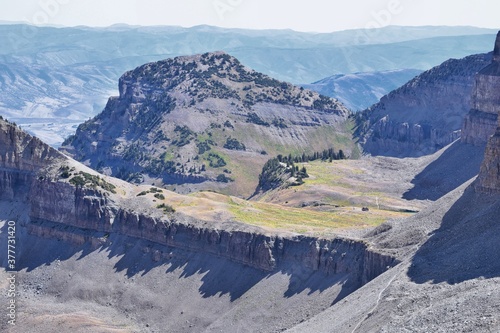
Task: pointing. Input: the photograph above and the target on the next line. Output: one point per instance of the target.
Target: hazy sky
(310, 15)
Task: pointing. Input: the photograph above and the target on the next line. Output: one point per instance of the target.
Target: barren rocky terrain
(378, 244)
(82, 281)
(447, 280)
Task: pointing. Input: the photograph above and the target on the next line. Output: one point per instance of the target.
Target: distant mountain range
(359, 91)
(52, 79)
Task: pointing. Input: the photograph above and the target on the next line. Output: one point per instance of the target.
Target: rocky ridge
(423, 115)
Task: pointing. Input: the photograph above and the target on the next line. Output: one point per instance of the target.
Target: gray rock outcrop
(425, 114)
(481, 121)
(21, 156)
(489, 92)
(489, 176)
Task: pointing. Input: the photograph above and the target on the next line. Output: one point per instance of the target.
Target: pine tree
(341, 155)
(303, 172)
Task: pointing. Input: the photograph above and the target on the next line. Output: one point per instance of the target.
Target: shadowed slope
(457, 164)
(465, 246)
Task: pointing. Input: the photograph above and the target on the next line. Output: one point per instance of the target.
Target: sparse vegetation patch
(166, 208)
(84, 179)
(234, 144)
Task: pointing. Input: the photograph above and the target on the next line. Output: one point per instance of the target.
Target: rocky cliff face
(489, 175)
(488, 101)
(22, 152)
(21, 156)
(481, 121)
(425, 114)
(206, 121)
(64, 203)
(84, 211)
(264, 252)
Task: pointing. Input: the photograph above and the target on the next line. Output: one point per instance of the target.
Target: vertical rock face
(63, 203)
(21, 151)
(425, 114)
(481, 121)
(496, 51)
(489, 176)
(21, 155)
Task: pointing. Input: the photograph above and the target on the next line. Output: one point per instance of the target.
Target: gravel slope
(447, 281)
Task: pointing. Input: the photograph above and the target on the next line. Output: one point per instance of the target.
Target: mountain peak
(494, 68)
(496, 52)
(196, 78)
(206, 120)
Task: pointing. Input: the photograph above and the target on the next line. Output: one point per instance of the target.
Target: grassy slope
(341, 189)
(210, 206)
(245, 166)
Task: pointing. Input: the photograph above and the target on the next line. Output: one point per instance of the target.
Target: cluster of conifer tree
(274, 169)
(325, 155)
